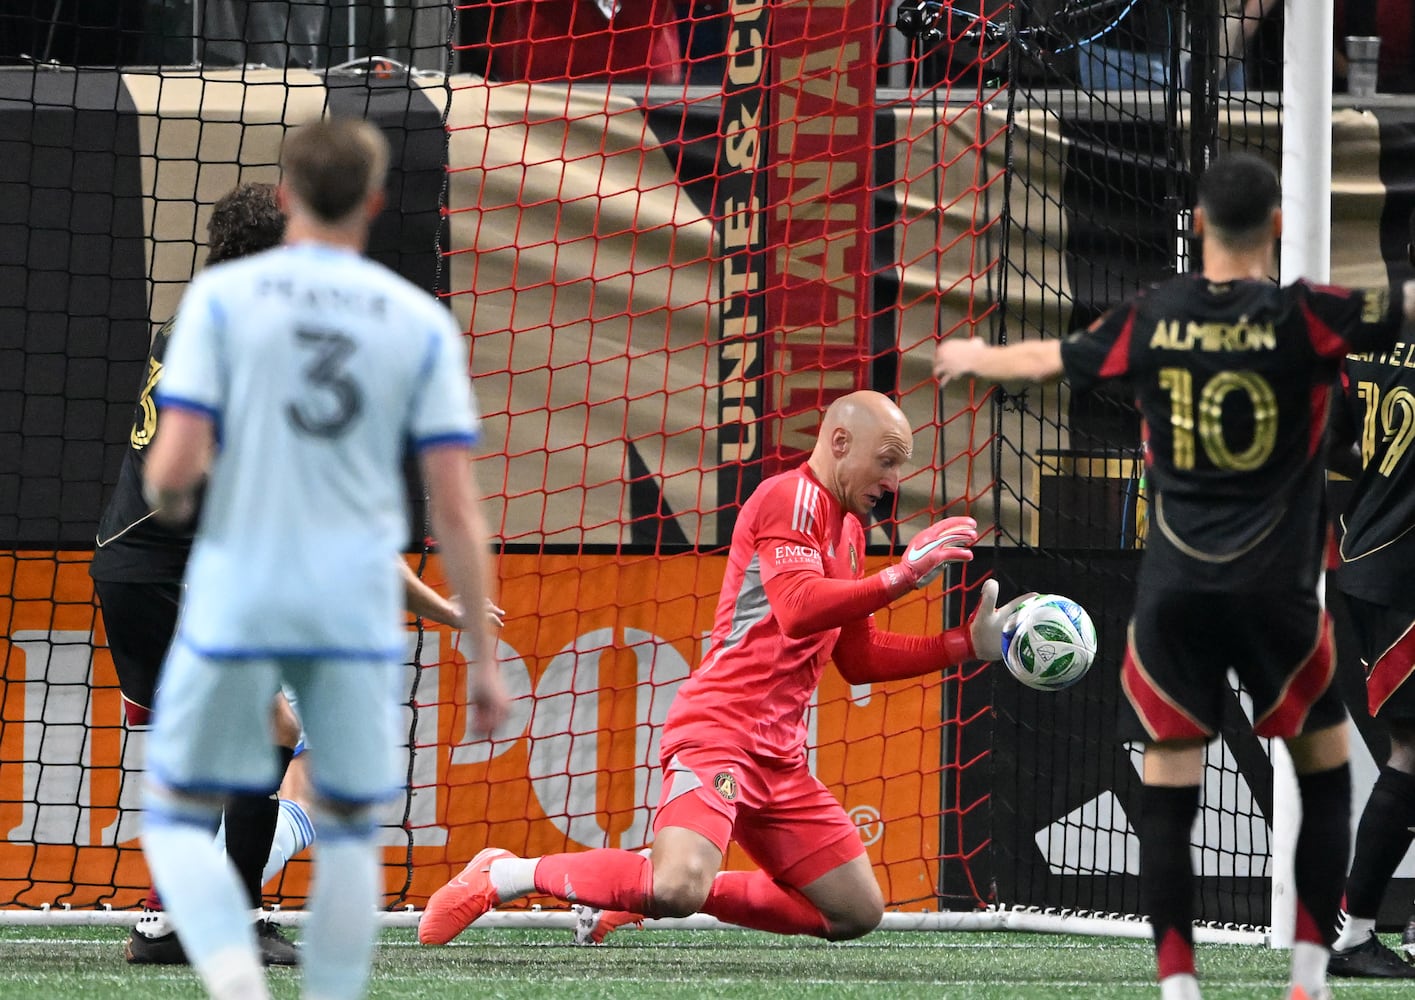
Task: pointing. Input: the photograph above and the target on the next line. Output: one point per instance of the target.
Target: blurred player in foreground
(314, 368)
(137, 570)
(733, 745)
(1232, 376)
(1371, 429)
(137, 566)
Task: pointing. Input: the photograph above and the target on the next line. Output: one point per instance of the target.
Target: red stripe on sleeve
(1117, 361)
(1325, 340)
(1321, 410)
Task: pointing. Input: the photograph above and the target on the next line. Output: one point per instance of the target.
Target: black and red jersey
(1376, 411)
(1233, 381)
(132, 547)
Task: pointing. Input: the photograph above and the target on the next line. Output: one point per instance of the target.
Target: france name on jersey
(318, 368)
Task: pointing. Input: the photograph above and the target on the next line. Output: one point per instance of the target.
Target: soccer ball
(1049, 643)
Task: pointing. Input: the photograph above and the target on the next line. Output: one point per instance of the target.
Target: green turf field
(88, 962)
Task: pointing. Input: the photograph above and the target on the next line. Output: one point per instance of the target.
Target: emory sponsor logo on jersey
(726, 785)
(787, 555)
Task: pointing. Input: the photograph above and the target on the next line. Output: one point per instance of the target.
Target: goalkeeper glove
(940, 543)
(989, 621)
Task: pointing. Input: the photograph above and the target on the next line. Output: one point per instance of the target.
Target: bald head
(864, 441)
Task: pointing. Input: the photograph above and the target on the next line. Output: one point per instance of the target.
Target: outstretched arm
(423, 601)
(806, 601)
(1027, 361)
(462, 537)
(863, 654)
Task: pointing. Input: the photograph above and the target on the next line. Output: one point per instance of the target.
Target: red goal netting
(665, 281)
(674, 232)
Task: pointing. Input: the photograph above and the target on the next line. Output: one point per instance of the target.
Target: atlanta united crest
(726, 786)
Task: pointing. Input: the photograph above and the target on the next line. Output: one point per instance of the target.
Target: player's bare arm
(177, 464)
(423, 601)
(1028, 361)
(463, 539)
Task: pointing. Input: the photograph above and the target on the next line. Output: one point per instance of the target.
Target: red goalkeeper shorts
(786, 820)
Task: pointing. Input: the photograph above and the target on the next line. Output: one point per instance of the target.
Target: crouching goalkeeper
(734, 742)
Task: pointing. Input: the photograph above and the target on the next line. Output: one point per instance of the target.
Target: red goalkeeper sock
(607, 878)
(754, 900)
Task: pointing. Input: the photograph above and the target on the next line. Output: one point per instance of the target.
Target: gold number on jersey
(1179, 383)
(146, 424)
(1390, 419)
(1375, 304)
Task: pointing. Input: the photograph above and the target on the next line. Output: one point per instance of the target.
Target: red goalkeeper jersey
(755, 681)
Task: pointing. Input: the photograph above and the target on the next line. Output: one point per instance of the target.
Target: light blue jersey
(321, 369)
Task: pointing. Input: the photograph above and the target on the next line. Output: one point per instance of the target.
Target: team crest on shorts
(854, 562)
(726, 786)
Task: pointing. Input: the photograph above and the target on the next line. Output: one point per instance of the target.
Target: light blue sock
(202, 895)
(293, 833)
(337, 944)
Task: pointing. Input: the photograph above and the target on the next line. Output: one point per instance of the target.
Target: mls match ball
(1049, 643)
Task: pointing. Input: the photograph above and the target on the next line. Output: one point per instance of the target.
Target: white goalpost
(1306, 253)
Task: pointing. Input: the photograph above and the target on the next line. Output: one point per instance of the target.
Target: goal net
(673, 232)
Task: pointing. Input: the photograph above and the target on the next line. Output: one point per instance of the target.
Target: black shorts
(1182, 643)
(1386, 639)
(140, 619)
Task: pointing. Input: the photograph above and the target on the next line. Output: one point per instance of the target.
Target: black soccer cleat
(1407, 939)
(275, 948)
(1371, 959)
(162, 949)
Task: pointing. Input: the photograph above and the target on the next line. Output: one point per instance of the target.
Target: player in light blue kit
(295, 381)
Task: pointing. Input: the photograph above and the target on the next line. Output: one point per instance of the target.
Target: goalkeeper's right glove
(989, 621)
(940, 543)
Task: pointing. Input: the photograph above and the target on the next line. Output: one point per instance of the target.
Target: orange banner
(593, 650)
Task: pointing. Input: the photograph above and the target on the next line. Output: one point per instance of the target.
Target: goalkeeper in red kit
(734, 741)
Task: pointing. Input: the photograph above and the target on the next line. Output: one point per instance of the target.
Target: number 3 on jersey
(1207, 418)
(335, 399)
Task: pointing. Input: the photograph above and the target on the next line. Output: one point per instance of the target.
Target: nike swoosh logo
(916, 554)
(954, 539)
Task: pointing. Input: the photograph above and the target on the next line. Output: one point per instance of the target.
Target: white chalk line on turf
(716, 943)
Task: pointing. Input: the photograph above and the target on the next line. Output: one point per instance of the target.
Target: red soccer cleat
(452, 908)
(593, 925)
